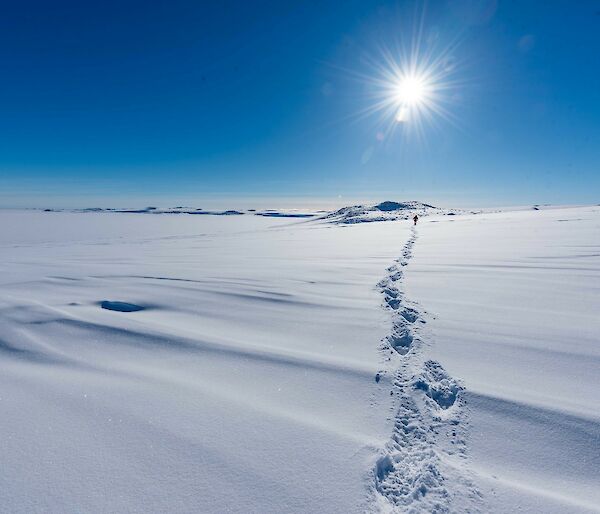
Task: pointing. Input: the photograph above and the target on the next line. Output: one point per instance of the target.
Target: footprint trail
(423, 466)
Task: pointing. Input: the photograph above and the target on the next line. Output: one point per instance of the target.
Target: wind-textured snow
(265, 364)
(516, 298)
(246, 383)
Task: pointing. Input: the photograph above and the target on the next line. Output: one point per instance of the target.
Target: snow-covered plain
(177, 363)
(516, 299)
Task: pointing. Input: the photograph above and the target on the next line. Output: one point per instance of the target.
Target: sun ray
(413, 86)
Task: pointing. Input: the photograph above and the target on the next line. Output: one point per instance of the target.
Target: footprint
(435, 382)
(408, 475)
(395, 276)
(392, 292)
(410, 315)
(393, 303)
(383, 283)
(400, 340)
(394, 273)
(383, 467)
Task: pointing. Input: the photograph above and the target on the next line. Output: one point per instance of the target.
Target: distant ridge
(387, 210)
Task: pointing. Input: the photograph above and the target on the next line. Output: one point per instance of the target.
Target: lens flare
(412, 89)
(412, 86)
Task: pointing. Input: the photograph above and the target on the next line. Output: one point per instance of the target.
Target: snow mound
(384, 211)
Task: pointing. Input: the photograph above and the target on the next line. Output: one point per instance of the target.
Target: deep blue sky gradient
(161, 102)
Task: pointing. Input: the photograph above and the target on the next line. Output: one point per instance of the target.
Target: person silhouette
(415, 219)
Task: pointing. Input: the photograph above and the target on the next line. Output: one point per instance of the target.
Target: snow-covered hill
(385, 211)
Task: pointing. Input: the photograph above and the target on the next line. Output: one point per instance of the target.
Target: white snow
(264, 364)
(516, 298)
(247, 384)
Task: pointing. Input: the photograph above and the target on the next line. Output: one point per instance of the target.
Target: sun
(414, 84)
(408, 94)
(411, 90)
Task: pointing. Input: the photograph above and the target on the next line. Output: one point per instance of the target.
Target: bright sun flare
(410, 91)
(413, 85)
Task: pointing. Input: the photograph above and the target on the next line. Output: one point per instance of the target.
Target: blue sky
(127, 102)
